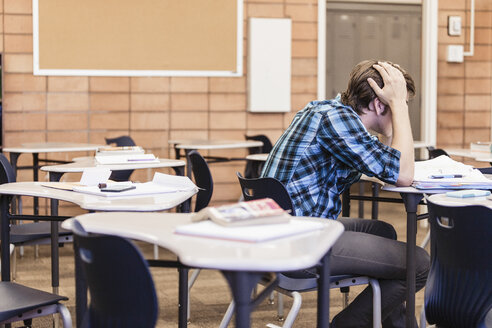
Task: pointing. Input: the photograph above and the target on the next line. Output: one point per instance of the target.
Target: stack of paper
(162, 183)
(123, 150)
(126, 159)
(444, 173)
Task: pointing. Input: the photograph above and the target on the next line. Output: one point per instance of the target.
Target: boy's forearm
(403, 141)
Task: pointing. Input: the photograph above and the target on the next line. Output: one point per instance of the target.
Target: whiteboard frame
(90, 72)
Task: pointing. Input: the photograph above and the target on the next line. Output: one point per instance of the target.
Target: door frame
(428, 69)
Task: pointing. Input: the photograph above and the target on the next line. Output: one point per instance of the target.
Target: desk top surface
(289, 253)
(88, 162)
(214, 144)
(52, 147)
(480, 156)
(442, 199)
(144, 203)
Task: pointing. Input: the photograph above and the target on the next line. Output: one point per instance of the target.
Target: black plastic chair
(203, 179)
(37, 233)
(305, 280)
(458, 292)
(205, 183)
(253, 168)
(122, 292)
(436, 152)
(120, 142)
(21, 303)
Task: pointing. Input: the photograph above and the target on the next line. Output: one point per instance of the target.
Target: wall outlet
(455, 54)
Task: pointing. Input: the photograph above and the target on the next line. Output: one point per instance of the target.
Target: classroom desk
(56, 171)
(188, 145)
(411, 198)
(479, 156)
(36, 148)
(243, 264)
(158, 202)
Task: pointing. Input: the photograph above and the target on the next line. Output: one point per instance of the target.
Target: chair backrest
(436, 152)
(485, 170)
(122, 292)
(267, 144)
(258, 188)
(203, 180)
(120, 142)
(458, 292)
(7, 174)
(253, 168)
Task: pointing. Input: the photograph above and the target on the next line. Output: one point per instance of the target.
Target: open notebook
(445, 173)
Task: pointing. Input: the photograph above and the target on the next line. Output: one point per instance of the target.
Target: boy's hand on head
(394, 91)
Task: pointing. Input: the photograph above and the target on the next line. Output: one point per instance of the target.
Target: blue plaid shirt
(323, 151)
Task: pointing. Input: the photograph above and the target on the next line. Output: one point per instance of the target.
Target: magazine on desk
(445, 173)
(253, 212)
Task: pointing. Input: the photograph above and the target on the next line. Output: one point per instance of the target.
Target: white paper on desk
(178, 182)
(252, 234)
(162, 183)
(92, 176)
(443, 165)
(126, 159)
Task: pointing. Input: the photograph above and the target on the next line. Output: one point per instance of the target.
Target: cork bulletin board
(138, 38)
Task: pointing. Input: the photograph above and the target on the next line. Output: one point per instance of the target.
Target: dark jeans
(369, 248)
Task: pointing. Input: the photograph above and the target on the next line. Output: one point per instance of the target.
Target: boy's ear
(379, 106)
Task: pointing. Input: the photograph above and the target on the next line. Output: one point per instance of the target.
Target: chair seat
(16, 299)
(305, 280)
(21, 233)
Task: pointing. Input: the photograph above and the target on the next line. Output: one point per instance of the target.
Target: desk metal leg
(55, 265)
(35, 176)
(242, 284)
(188, 163)
(346, 203)
(323, 317)
(411, 202)
(5, 237)
(55, 260)
(183, 298)
(80, 287)
(375, 204)
(361, 202)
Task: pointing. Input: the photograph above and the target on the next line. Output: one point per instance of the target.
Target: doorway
(358, 31)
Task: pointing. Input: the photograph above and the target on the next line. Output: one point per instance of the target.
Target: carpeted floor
(210, 295)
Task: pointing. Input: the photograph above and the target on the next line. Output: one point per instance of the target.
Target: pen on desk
(445, 176)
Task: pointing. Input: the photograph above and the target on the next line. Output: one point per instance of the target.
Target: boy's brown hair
(359, 93)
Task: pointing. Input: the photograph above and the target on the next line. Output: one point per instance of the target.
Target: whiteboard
(269, 66)
(138, 38)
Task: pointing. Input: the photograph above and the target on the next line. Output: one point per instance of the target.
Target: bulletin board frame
(143, 38)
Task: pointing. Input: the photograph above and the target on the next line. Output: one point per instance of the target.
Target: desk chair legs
(297, 301)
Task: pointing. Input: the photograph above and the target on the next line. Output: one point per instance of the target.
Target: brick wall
(153, 110)
(464, 89)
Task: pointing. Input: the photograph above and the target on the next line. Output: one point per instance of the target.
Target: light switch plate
(454, 25)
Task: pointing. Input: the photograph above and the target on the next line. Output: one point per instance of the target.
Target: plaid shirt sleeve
(343, 135)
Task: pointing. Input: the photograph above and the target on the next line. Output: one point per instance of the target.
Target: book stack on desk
(124, 155)
(481, 146)
(444, 173)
